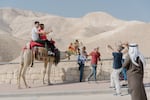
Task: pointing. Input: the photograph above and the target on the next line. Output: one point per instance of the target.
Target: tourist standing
(135, 64)
(82, 56)
(95, 56)
(125, 47)
(76, 45)
(117, 64)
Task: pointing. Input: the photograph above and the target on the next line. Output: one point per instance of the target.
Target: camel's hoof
(28, 87)
(50, 84)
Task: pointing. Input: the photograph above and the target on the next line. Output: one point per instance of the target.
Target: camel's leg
(19, 76)
(23, 76)
(44, 71)
(49, 71)
(33, 57)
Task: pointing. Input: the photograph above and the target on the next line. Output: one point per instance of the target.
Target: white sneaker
(50, 53)
(117, 94)
(86, 80)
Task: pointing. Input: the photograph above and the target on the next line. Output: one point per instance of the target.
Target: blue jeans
(93, 72)
(124, 71)
(81, 68)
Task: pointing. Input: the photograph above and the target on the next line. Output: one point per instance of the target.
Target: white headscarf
(134, 53)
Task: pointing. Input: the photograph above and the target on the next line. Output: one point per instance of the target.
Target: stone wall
(63, 73)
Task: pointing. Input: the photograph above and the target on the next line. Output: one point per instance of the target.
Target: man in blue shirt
(117, 60)
(117, 64)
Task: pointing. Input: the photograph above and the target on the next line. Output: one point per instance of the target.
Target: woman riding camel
(43, 37)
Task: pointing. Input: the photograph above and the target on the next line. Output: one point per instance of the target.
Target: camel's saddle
(40, 53)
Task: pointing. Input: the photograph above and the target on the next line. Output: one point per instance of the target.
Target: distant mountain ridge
(93, 29)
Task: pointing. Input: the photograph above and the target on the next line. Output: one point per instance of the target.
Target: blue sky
(122, 9)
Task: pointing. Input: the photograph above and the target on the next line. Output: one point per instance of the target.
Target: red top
(95, 57)
(43, 37)
(71, 48)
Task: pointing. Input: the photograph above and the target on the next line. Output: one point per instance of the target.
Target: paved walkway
(83, 90)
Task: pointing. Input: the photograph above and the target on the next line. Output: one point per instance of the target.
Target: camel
(27, 58)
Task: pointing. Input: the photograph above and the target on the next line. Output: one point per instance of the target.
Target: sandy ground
(71, 97)
(73, 91)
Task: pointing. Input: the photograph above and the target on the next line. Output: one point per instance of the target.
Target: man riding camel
(39, 36)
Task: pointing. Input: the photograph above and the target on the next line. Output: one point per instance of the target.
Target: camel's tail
(57, 56)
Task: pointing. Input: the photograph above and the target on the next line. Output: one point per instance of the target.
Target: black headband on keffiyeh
(133, 45)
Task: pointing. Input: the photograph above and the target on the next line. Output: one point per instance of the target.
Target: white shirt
(81, 59)
(35, 35)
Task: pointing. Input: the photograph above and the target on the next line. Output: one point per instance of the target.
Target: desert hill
(94, 29)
